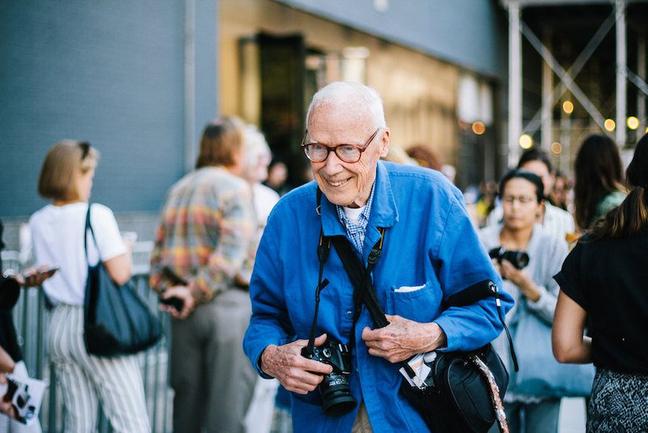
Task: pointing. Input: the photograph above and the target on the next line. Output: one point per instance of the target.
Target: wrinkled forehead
(333, 117)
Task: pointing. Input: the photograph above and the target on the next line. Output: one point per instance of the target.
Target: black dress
(9, 291)
(609, 279)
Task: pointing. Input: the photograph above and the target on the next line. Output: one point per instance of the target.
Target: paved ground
(572, 416)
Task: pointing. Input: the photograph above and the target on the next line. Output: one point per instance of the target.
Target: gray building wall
(112, 73)
(469, 33)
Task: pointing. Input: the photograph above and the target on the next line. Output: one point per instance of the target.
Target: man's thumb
(320, 340)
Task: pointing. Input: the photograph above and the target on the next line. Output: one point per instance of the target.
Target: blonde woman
(58, 237)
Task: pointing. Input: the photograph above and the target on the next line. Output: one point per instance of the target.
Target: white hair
(356, 95)
(255, 146)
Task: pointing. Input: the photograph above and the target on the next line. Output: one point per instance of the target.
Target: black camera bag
(462, 399)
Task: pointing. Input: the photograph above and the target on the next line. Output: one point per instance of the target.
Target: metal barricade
(31, 317)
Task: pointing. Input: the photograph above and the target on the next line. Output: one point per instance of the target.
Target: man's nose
(332, 163)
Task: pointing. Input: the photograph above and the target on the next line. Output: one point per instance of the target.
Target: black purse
(116, 320)
(464, 390)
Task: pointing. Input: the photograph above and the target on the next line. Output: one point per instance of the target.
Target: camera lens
(336, 395)
(334, 388)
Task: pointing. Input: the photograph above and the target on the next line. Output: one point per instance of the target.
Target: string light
(526, 142)
(633, 122)
(610, 125)
(478, 127)
(568, 107)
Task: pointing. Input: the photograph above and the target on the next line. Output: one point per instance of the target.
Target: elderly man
(429, 252)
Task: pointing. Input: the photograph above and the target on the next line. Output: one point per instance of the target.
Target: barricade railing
(32, 317)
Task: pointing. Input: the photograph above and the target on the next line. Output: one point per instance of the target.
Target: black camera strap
(359, 275)
(361, 280)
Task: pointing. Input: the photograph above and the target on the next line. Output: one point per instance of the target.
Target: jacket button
(349, 314)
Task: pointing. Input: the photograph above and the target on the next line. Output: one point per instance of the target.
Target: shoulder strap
(478, 291)
(88, 226)
(360, 278)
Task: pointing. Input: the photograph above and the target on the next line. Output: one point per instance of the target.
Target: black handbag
(466, 388)
(116, 320)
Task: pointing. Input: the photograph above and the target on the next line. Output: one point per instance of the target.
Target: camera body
(519, 259)
(334, 388)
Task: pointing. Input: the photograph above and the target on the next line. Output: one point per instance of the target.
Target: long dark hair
(598, 173)
(631, 216)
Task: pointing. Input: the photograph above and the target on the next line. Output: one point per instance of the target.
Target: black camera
(519, 259)
(334, 388)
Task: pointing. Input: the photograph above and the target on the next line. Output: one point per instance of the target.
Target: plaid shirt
(356, 230)
(205, 231)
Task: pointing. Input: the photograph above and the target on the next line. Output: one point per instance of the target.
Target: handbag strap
(88, 227)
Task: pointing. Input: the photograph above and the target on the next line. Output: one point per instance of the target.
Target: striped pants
(86, 380)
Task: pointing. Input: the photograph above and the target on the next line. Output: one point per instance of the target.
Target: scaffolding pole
(547, 97)
(515, 83)
(621, 83)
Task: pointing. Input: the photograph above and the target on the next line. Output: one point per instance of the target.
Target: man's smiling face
(343, 183)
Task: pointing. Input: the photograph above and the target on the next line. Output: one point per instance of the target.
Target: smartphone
(46, 273)
(176, 280)
(174, 302)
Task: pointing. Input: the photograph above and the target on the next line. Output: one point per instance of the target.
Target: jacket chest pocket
(419, 303)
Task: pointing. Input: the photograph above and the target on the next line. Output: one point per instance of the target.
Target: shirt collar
(363, 218)
(383, 212)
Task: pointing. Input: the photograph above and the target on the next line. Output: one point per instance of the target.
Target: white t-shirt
(353, 213)
(57, 236)
(264, 200)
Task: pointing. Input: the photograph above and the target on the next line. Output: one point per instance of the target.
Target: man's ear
(384, 143)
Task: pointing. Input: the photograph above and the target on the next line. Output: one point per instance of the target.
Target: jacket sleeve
(554, 252)
(460, 261)
(269, 323)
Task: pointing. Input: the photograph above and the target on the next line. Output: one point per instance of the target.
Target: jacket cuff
(257, 365)
(450, 329)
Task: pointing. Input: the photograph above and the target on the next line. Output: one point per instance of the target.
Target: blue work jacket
(430, 248)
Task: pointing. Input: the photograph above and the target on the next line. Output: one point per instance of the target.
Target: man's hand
(184, 294)
(403, 338)
(296, 373)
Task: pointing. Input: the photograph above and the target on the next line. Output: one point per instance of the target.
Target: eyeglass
(85, 149)
(350, 153)
(523, 199)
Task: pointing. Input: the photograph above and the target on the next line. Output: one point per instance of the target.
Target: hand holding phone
(174, 279)
(36, 276)
(174, 302)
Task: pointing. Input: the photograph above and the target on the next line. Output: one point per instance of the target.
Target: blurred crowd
(205, 246)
